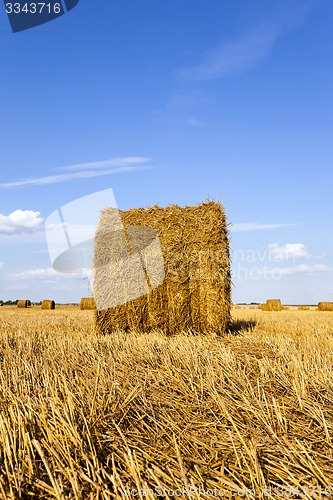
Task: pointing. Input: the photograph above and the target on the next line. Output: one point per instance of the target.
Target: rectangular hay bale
(272, 305)
(87, 303)
(192, 289)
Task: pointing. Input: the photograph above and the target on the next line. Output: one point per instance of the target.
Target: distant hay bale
(23, 303)
(87, 304)
(48, 304)
(303, 308)
(183, 257)
(325, 306)
(272, 305)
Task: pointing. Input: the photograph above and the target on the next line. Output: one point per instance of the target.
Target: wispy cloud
(20, 221)
(276, 273)
(43, 274)
(1, 264)
(126, 161)
(234, 57)
(252, 226)
(301, 269)
(289, 251)
(24, 238)
(40, 273)
(83, 171)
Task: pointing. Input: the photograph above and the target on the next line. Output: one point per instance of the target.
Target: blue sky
(174, 102)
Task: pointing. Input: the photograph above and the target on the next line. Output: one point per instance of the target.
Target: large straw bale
(23, 303)
(48, 304)
(195, 290)
(272, 305)
(87, 303)
(325, 306)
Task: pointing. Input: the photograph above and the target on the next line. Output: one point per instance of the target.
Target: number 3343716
(33, 8)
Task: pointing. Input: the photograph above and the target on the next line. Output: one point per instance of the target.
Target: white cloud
(242, 273)
(40, 273)
(82, 171)
(48, 274)
(320, 256)
(250, 49)
(234, 57)
(289, 251)
(35, 238)
(20, 221)
(301, 269)
(252, 226)
(125, 161)
(1, 264)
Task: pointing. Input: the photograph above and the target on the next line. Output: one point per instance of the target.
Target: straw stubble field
(83, 416)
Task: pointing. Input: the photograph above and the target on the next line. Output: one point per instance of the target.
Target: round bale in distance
(325, 306)
(48, 304)
(23, 303)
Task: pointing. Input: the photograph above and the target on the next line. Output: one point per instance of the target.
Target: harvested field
(85, 416)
